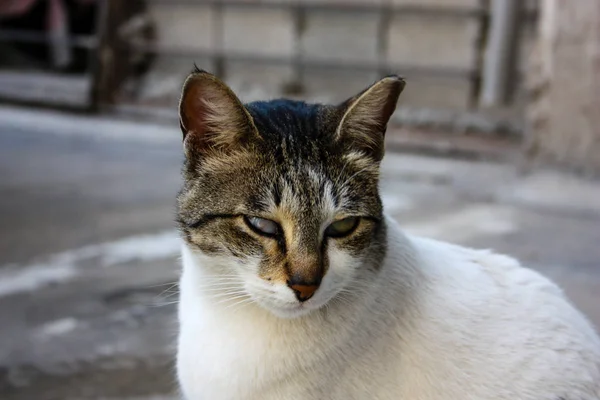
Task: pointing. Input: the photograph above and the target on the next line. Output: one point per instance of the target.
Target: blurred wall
(564, 82)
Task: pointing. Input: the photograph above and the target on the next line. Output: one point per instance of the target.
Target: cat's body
(295, 285)
(441, 322)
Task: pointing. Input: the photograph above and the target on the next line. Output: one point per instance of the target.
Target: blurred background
(495, 144)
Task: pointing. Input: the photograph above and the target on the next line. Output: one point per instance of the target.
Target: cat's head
(280, 201)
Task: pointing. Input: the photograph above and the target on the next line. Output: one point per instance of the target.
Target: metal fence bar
(103, 71)
(363, 65)
(479, 44)
(499, 56)
(296, 85)
(385, 19)
(218, 39)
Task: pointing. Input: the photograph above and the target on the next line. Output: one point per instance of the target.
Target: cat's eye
(263, 226)
(343, 227)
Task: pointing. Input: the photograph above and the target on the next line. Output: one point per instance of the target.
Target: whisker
(242, 296)
(221, 285)
(221, 276)
(161, 296)
(239, 304)
(228, 293)
(164, 304)
(168, 289)
(163, 284)
(222, 290)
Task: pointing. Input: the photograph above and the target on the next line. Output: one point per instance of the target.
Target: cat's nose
(303, 291)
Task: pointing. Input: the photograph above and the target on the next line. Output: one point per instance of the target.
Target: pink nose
(304, 292)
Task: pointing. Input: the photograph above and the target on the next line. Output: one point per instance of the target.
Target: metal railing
(299, 9)
(112, 42)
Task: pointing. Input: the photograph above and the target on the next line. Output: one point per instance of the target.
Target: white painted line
(16, 279)
(142, 247)
(65, 266)
(61, 124)
(58, 327)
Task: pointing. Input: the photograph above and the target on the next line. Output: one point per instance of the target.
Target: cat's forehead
(295, 122)
(303, 188)
(297, 138)
(286, 182)
(315, 190)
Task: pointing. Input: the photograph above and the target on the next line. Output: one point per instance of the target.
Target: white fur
(436, 322)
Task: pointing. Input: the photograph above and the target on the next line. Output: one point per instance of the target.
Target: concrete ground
(88, 250)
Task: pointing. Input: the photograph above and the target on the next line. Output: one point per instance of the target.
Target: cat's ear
(211, 116)
(366, 115)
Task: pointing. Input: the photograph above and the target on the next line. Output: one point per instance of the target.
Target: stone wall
(564, 84)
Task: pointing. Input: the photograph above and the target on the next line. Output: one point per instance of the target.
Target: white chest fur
(447, 323)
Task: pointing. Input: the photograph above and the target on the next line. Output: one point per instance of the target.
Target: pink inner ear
(212, 117)
(195, 111)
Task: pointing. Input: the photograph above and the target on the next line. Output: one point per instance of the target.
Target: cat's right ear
(366, 116)
(211, 116)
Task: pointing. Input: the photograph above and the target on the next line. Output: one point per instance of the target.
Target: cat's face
(280, 202)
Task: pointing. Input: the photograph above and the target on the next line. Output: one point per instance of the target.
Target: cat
(297, 285)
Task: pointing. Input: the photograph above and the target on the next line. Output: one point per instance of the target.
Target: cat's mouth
(281, 302)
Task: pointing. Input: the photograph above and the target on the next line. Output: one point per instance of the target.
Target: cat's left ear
(366, 115)
(211, 116)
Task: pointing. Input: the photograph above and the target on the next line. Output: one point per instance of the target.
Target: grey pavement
(88, 249)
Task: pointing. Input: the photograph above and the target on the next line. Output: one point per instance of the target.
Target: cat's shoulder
(512, 314)
(485, 287)
(468, 265)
